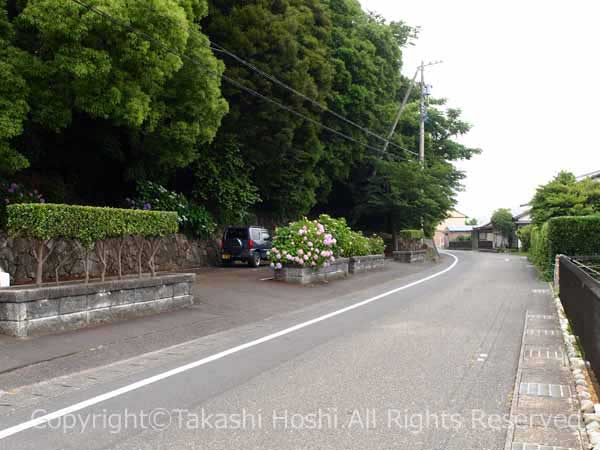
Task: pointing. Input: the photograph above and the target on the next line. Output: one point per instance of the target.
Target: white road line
(7, 432)
(266, 279)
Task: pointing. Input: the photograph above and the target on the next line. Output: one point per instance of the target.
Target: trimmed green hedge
(86, 224)
(91, 227)
(538, 251)
(570, 236)
(574, 236)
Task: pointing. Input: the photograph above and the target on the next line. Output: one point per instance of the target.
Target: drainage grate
(542, 332)
(529, 446)
(543, 353)
(540, 316)
(540, 291)
(545, 390)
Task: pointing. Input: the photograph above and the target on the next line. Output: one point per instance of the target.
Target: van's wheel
(254, 261)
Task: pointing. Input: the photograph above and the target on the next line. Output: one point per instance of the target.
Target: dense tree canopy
(90, 107)
(92, 89)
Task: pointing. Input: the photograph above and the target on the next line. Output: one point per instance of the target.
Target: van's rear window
(237, 233)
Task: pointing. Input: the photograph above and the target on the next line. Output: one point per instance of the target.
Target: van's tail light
(250, 243)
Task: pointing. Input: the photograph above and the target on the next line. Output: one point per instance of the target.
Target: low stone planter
(309, 275)
(410, 256)
(27, 310)
(358, 264)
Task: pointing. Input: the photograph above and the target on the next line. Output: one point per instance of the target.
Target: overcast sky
(526, 75)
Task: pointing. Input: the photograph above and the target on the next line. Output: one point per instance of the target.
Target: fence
(485, 244)
(580, 295)
(460, 245)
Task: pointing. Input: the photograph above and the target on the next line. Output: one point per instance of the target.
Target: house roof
(460, 229)
(457, 214)
(593, 175)
(484, 227)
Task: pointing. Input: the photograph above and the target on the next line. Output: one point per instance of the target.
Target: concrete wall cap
(27, 293)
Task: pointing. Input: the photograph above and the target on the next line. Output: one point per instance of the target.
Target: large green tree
(13, 99)
(565, 196)
(100, 96)
(286, 38)
(502, 220)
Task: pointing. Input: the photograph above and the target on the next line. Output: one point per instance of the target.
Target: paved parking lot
(224, 298)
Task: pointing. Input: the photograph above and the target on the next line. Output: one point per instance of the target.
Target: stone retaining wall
(308, 275)
(177, 252)
(50, 308)
(409, 256)
(358, 264)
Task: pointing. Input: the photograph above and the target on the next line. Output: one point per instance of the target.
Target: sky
(526, 76)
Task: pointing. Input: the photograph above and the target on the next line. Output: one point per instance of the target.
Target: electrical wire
(219, 48)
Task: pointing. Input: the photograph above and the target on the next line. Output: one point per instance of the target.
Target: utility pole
(422, 125)
(421, 68)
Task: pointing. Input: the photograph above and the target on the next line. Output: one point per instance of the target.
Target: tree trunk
(39, 255)
(120, 244)
(394, 233)
(140, 245)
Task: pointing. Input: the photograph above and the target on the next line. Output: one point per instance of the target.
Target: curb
(513, 405)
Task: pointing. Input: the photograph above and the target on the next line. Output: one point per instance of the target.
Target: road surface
(427, 362)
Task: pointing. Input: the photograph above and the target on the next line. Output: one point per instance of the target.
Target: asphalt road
(427, 362)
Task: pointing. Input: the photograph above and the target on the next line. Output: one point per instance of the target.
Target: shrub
(88, 226)
(411, 234)
(524, 235)
(539, 252)
(574, 236)
(377, 245)
(359, 245)
(341, 231)
(304, 243)
(11, 193)
(350, 243)
(410, 240)
(194, 219)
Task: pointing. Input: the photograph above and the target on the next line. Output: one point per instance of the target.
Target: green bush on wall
(86, 224)
(90, 227)
(411, 234)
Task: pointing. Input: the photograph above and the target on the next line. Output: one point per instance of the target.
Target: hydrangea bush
(317, 243)
(304, 243)
(193, 219)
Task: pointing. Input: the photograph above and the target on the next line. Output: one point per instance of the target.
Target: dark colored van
(247, 244)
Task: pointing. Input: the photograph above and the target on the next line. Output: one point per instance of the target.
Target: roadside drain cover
(542, 332)
(545, 390)
(543, 353)
(540, 316)
(541, 291)
(526, 446)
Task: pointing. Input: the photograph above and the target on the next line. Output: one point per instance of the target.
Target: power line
(219, 48)
(235, 83)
